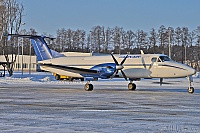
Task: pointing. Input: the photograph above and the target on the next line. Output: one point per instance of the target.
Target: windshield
(164, 58)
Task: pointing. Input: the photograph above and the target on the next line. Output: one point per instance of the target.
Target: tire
(131, 86)
(71, 79)
(190, 89)
(57, 77)
(88, 87)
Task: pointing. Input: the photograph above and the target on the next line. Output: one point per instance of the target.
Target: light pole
(90, 47)
(22, 56)
(30, 59)
(169, 43)
(185, 53)
(18, 54)
(23, 51)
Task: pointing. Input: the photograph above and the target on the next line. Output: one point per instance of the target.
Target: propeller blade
(124, 75)
(143, 63)
(124, 60)
(114, 59)
(116, 71)
(151, 65)
(153, 60)
(119, 67)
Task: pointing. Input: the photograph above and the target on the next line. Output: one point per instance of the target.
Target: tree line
(179, 43)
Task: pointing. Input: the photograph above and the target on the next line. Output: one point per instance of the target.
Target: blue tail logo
(42, 51)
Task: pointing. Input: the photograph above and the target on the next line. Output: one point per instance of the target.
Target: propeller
(144, 64)
(150, 66)
(119, 66)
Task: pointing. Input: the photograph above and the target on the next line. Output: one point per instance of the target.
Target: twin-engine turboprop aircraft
(129, 67)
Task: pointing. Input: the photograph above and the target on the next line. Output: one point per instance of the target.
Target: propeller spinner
(119, 66)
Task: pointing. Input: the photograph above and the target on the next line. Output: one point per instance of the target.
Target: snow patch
(46, 79)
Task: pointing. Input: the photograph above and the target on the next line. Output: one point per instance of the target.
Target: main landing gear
(190, 88)
(89, 87)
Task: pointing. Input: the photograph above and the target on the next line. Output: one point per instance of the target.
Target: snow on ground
(46, 78)
(39, 103)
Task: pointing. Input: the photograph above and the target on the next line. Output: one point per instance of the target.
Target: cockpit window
(154, 59)
(164, 58)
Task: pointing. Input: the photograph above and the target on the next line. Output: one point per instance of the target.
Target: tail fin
(42, 51)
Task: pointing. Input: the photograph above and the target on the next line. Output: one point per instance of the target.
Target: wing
(71, 69)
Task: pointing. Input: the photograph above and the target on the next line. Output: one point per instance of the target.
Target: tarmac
(110, 107)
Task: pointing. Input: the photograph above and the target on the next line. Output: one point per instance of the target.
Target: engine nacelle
(105, 70)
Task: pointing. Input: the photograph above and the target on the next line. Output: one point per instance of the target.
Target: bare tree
(163, 38)
(153, 39)
(76, 40)
(61, 39)
(191, 41)
(69, 38)
(117, 38)
(141, 40)
(82, 40)
(96, 33)
(184, 39)
(11, 17)
(198, 36)
(198, 48)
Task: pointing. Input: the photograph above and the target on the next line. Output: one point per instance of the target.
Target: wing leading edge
(71, 69)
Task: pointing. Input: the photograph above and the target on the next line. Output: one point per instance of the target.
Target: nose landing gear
(190, 88)
(88, 86)
(131, 86)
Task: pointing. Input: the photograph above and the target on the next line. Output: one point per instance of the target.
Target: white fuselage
(135, 66)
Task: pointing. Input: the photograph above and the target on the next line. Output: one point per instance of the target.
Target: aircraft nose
(191, 71)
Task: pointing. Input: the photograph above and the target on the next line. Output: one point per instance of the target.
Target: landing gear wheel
(57, 77)
(190, 89)
(71, 79)
(131, 86)
(88, 87)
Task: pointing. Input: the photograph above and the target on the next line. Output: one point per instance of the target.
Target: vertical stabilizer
(42, 51)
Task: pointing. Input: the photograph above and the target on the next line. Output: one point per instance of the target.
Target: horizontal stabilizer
(27, 36)
(42, 51)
